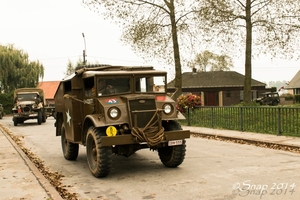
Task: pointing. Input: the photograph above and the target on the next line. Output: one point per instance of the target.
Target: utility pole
(84, 50)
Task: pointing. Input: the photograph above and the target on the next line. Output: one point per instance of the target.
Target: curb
(43, 182)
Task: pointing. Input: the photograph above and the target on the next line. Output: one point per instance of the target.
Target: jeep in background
(28, 104)
(268, 98)
(1, 111)
(50, 110)
(118, 110)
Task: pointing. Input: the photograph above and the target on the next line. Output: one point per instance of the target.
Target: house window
(297, 91)
(228, 94)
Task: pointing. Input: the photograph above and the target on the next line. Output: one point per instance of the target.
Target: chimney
(194, 70)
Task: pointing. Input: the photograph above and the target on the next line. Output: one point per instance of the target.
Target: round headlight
(113, 113)
(167, 108)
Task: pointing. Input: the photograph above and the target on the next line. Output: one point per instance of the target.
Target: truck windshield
(108, 86)
(150, 84)
(27, 97)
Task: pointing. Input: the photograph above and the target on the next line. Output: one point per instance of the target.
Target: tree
(210, 60)
(70, 68)
(16, 70)
(268, 26)
(153, 28)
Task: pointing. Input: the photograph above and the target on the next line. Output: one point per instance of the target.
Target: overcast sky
(51, 32)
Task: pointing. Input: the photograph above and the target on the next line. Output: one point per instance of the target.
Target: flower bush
(188, 101)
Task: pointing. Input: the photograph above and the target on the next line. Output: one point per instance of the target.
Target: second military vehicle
(28, 104)
(118, 110)
(268, 98)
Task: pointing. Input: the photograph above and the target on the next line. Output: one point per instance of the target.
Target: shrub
(297, 98)
(288, 96)
(188, 101)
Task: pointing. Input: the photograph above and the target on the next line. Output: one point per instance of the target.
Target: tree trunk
(178, 73)
(248, 53)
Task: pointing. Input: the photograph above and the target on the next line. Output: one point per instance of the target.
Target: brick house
(217, 88)
(49, 88)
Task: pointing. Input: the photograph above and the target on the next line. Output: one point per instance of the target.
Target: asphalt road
(211, 170)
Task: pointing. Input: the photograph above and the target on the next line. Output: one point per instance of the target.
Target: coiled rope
(150, 133)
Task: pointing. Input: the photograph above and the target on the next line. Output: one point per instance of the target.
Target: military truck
(118, 110)
(268, 98)
(28, 104)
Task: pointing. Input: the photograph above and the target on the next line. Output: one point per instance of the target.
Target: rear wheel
(15, 121)
(98, 157)
(172, 156)
(70, 150)
(44, 118)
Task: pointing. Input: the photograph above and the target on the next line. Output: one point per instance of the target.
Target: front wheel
(98, 157)
(39, 118)
(172, 156)
(70, 150)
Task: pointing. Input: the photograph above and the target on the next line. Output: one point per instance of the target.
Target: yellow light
(111, 131)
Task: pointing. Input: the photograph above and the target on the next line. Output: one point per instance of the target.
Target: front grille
(141, 119)
(26, 109)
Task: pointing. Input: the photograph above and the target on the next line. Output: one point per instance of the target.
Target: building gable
(295, 82)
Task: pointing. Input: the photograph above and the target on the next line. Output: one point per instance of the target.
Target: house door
(211, 98)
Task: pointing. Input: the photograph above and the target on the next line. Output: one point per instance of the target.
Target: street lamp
(84, 50)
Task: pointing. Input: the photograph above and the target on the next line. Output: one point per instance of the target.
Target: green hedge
(6, 99)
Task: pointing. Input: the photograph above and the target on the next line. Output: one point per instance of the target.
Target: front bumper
(129, 139)
(25, 115)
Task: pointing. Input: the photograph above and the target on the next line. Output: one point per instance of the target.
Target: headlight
(167, 108)
(114, 112)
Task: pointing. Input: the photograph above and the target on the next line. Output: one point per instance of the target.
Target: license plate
(174, 142)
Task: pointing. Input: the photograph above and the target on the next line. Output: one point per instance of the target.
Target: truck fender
(95, 119)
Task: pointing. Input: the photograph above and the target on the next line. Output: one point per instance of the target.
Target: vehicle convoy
(28, 104)
(269, 98)
(118, 110)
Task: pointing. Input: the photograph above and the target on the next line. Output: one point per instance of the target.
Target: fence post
(212, 117)
(279, 119)
(189, 123)
(241, 119)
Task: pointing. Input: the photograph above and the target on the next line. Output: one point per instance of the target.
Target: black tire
(98, 157)
(70, 150)
(1, 115)
(15, 121)
(172, 156)
(39, 118)
(44, 118)
(275, 103)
